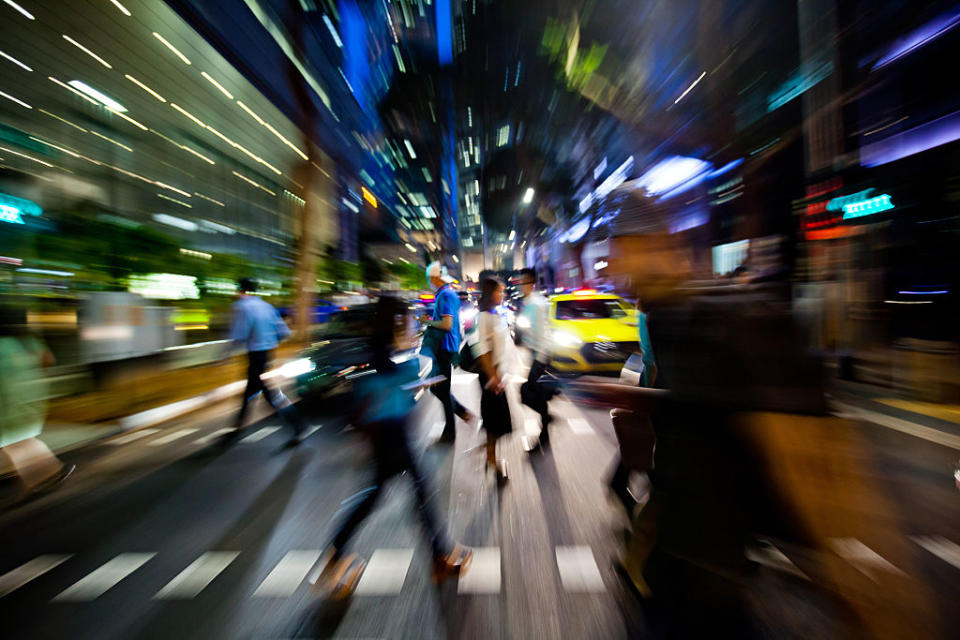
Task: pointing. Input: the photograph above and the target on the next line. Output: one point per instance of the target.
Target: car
(591, 332)
(340, 353)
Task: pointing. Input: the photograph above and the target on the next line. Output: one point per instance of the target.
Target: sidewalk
(150, 397)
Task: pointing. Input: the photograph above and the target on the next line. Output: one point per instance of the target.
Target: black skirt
(494, 410)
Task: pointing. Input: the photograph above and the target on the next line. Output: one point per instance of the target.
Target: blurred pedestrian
(384, 402)
(535, 320)
(634, 430)
(490, 352)
(23, 405)
(441, 343)
(259, 328)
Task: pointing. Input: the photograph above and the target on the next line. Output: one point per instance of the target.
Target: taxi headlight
(297, 368)
(566, 339)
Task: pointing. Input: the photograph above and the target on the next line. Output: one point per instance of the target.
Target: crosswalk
(577, 570)
(156, 437)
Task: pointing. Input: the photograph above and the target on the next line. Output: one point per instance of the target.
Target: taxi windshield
(590, 309)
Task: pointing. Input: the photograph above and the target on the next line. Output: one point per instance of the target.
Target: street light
(528, 195)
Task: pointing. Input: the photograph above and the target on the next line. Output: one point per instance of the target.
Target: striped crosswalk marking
(194, 579)
(176, 435)
(580, 426)
(130, 437)
(257, 436)
(288, 574)
(940, 547)
(769, 556)
(101, 580)
(385, 572)
(861, 556)
(312, 430)
(13, 580)
(578, 569)
(214, 435)
(483, 575)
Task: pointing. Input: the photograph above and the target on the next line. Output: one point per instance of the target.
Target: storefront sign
(11, 208)
(867, 207)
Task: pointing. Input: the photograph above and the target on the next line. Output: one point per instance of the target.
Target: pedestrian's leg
(253, 387)
(356, 516)
(539, 399)
(277, 401)
(429, 517)
(442, 392)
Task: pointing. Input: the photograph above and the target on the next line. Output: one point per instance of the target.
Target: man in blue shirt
(258, 326)
(441, 343)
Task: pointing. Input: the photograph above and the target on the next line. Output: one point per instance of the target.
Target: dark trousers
(257, 365)
(442, 366)
(534, 395)
(392, 455)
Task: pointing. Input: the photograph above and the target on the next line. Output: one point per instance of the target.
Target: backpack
(467, 361)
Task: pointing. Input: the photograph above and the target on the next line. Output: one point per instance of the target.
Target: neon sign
(10, 214)
(867, 207)
(12, 207)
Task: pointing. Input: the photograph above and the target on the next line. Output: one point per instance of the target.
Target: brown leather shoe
(455, 563)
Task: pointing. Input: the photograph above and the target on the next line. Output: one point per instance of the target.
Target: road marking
(288, 574)
(176, 435)
(194, 579)
(257, 436)
(312, 430)
(940, 547)
(213, 436)
(897, 424)
(770, 556)
(101, 580)
(13, 580)
(580, 426)
(483, 575)
(130, 437)
(578, 569)
(385, 572)
(945, 412)
(861, 556)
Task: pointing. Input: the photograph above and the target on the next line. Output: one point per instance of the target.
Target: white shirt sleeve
(484, 334)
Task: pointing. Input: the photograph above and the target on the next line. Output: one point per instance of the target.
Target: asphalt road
(160, 534)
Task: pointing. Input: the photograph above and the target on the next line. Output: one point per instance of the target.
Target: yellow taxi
(591, 332)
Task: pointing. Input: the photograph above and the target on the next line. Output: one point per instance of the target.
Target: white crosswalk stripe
(385, 572)
(194, 579)
(578, 569)
(176, 435)
(483, 575)
(941, 547)
(312, 430)
(861, 556)
(130, 437)
(770, 556)
(13, 580)
(288, 574)
(101, 580)
(214, 435)
(259, 435)
(580, 426)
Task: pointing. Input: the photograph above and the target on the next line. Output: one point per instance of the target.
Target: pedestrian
(634, 430)
(534, 319)
(490, 352)
(441, 343)
(384, 401)
(23, 406)
(259, 328)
